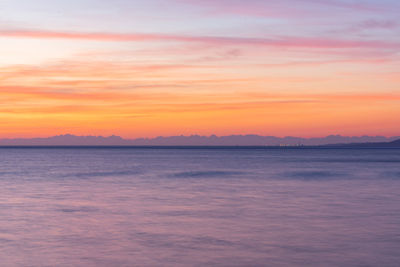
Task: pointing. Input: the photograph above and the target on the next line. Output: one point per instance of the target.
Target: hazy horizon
(194, 134)
(192, 140)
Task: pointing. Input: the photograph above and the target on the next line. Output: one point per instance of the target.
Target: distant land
(196, 140)
(391, 144)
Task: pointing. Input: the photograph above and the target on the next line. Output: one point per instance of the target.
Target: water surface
(199, 207)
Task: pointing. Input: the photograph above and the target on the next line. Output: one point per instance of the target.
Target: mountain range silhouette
(197, 140)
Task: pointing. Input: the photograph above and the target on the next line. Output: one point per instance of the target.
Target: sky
(178, 67)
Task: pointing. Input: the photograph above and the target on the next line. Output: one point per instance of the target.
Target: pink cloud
(380, 24)
(284, 42)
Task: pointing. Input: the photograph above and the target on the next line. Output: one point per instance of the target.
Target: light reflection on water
(175, 207)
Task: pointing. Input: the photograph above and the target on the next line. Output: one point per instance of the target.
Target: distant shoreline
(196, 141)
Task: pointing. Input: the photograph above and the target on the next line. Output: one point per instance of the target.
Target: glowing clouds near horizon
(223, 72)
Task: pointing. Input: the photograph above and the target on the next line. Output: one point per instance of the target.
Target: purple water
(199, 207)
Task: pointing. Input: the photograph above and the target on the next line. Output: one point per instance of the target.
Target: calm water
(199, 207)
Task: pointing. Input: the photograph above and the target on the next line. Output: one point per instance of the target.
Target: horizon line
(199, 135)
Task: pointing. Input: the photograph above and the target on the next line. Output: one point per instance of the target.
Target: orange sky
(200, 78)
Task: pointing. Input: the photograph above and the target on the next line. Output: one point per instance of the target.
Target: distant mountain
(395, 142)
(67, 140)
(194, 140)
(392, 144)
(256, 140)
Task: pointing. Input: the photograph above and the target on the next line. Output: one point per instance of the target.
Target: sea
(199, 207)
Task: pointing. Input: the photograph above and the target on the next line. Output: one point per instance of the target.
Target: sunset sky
(170, 67)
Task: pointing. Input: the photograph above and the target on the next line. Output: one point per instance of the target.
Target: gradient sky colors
(170, 67)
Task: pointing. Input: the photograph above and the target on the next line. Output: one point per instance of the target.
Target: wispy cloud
(290, 8)
(299, 42)
(378, 24)
(355, 5)
(369, 26)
